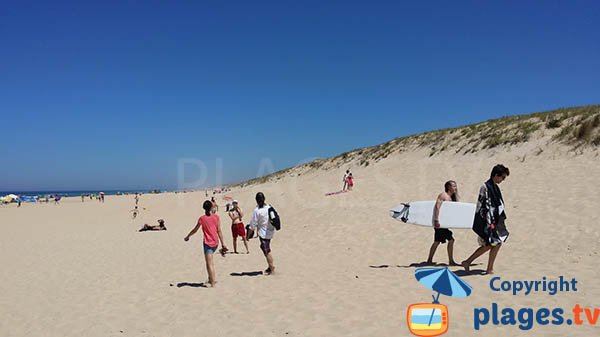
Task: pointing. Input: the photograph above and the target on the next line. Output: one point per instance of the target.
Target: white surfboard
(452, 214)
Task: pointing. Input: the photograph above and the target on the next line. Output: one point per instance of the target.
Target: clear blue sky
(112, 94)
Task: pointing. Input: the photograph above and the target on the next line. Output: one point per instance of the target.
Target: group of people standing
(210, 223)
(99, 196)
(488, 222)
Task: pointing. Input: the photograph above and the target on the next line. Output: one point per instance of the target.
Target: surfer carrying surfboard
(442, 234)
(489, 218)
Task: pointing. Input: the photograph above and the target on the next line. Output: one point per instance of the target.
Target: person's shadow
(193, 285)
(463, 273)
(247, 273)
(412, 265)
(433, 265)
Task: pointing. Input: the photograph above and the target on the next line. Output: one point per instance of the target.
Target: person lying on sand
(160, 227)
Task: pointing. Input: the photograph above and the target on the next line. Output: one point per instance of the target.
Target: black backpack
(274, 218)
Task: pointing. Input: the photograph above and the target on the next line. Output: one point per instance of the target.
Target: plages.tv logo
(431, 319)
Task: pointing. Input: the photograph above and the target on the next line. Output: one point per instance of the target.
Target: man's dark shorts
(442, 234)
(265, 245)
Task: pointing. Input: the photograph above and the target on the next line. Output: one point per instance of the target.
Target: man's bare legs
(477, 253)
(492, 258)
(451, 261)
(434, 247)
(271, 269)
(246, 244)
(432, 250)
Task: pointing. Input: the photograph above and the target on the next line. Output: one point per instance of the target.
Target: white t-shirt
(260, 219)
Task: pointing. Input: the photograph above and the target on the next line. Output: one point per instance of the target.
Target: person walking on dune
(345, 180)
(442, 234)
(349, 182)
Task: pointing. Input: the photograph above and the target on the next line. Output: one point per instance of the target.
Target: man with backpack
(267, 220)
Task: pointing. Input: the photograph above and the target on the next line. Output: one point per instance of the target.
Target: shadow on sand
(247, 273)
(193, 285)
(412, 265)
(463, 273)
(423, 264)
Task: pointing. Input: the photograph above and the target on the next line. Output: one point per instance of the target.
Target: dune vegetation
(576, 128)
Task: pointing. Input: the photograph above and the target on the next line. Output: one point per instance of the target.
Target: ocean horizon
(77, 193)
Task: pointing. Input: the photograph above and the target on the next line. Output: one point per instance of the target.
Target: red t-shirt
(210, 225)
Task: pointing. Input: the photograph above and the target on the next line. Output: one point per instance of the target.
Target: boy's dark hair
(207, 205)
(499, 170)
(260, 199)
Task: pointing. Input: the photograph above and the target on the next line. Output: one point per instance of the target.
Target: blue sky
(113, 95)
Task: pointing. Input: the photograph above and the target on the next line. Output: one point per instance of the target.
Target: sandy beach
(345, 268)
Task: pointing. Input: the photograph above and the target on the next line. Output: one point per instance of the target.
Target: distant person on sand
(137, 198)
(442, 234)
(260, 219)
(237, 226)
(160, 227)
(215, 207)
(489, 218)
(350, 181)
(345, 180)
(135, 212)
(82, 197)
(211, 228)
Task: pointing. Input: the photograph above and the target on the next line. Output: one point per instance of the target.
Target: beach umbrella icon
(443, 281)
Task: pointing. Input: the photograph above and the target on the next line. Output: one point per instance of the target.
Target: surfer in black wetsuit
(489, 218)
(442, 234)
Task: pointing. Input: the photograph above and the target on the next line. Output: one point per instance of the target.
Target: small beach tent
(26, 198)
(10, 198)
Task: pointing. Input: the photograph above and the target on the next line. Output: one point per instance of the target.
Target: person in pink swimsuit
(211, 228)
(350, 181)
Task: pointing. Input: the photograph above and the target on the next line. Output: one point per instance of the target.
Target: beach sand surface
(344, 266)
